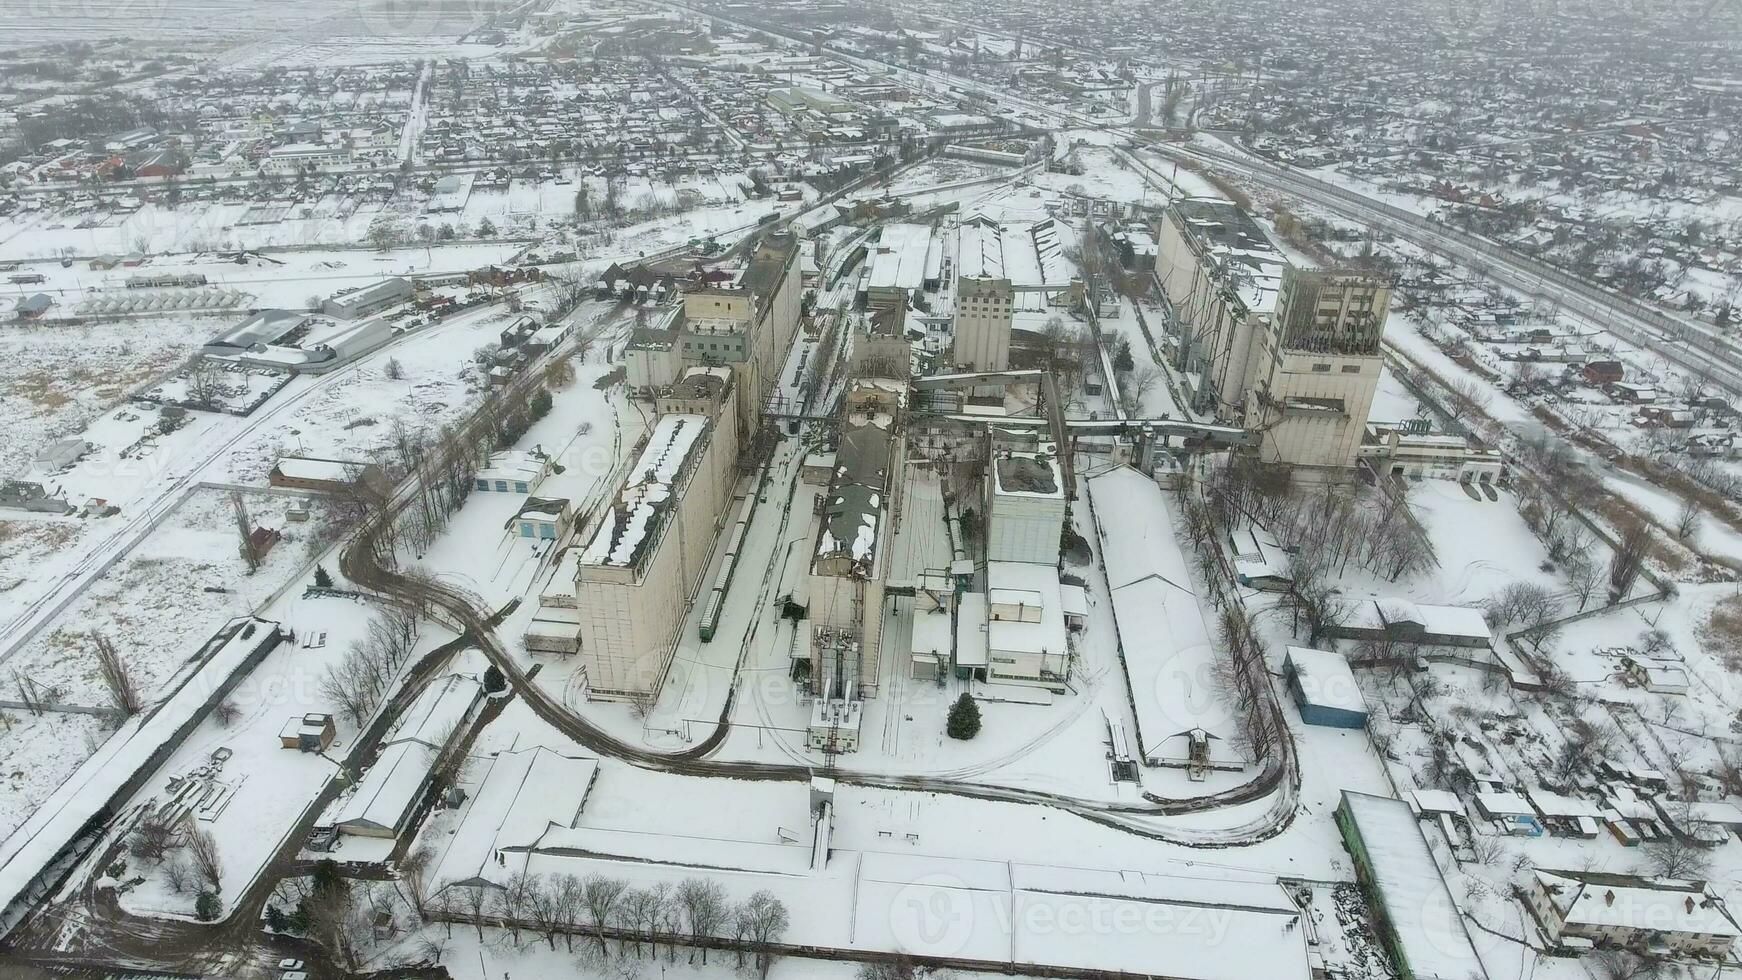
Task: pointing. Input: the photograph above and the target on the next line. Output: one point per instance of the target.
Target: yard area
(158, 604)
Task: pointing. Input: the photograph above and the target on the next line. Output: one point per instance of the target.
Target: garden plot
(158, 605)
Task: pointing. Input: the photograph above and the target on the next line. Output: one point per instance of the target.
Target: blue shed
(1324, 688)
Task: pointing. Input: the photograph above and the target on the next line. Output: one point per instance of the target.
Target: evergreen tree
(494, 681)
(964, 722)
(322, 579)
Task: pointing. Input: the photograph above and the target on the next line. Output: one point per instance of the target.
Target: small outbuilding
(1324, 688)
(312, 732)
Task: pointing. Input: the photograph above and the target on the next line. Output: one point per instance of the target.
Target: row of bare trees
(1245, 685)
(641, 919)
(359, 682)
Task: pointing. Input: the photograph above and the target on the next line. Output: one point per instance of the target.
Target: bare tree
(153, 837)
(203, 849)
(566, 894)
(246, 546)
(393, 369)
(600, 896)
(475, 899)
(1687, 520)
(1468, 398)
(337, 925)
(639, 907)
(1622, 964)
(116, 677)
(514, 900)
(226, 712)
(1582, 576)
(414, 871)
(1675, 857)
(544, 909)
(1136, 387)
(703, 902)
(178, 872)
(765, 922)
(204, 383)
(900, 968)
(1628, 559)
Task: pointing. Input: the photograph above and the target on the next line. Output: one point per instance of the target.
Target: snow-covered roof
(971, 630)
(1026, 253)
(317, 470)
(387, 792)
(438, 711)
(1605, 901)
(932, 633)
(1560, 806)
(648, 490)
(1464, 622)
(523, 796)
(1429, 930)
(1028, 475)
(1074, 598)
(514, 465)
(1162, 630)
(1435, 801)
(1505, 805)
(1325, 679)
(1244, 254)
(1028, 585)
(898, 259)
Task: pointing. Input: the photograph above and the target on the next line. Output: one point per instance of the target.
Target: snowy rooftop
(1449, 621)
(1602, 900)
(438, 711)
(932, 634)
(1416, 903)
(1028, 474)
(971, 630)
(523, 796)
(1028, 586)
(392, 785)
(319, 470)
(648, 489)
(1162, 631)
(1229, 236)
(1326, 680)
(898, 259)
(1027, 254)
(514, 465)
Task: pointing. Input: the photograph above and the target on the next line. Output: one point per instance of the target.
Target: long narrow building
(638, 573)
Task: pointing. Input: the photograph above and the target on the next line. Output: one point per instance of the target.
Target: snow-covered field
(55, 380)
(158, 605)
